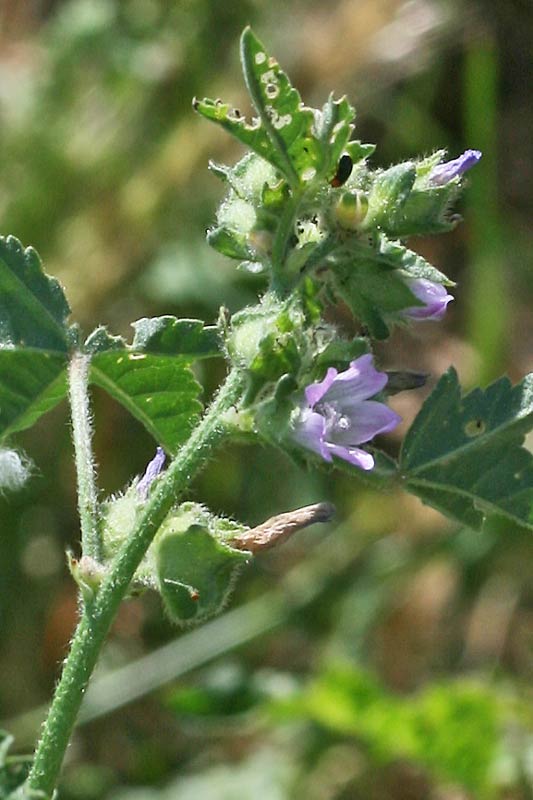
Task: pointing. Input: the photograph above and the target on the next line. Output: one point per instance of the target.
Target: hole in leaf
(474, 427)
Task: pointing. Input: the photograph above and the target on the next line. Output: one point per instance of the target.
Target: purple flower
(433, 295)
(444, 173)
(336, 414)
(152, 471)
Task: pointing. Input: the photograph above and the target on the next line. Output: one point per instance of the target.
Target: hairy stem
(78, 373)
(97, 616)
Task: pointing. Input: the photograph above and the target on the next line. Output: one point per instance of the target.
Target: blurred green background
(388, 656)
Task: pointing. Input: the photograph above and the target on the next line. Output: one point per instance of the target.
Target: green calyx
(190, 563)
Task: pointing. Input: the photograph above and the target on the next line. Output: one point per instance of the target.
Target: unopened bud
(350, 210)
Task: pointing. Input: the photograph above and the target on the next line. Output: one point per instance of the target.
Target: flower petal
(359, 381)
(444, 173)
(308, 430)
(354, 455)
(152, 471)
(434, 296)
(367, 419)
(315, 391)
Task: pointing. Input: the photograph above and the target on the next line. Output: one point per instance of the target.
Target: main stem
(78, 373)
(97, 616)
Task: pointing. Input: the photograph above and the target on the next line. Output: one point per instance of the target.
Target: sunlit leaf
(160, 391)
(300, 144)
(186, 338)
(33, 308)
(463, 454)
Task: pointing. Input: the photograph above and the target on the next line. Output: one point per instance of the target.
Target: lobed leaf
(333, 130)
(298, 142)
(251, 135)
(33, 307)
(31, 383)
(160, 391)
(463, 455)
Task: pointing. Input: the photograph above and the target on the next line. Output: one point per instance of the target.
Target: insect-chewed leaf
(195, 571)
(287, 122)
(252, 135)
(463, 455)
(302, 144)
(101, 341)
(33, 307)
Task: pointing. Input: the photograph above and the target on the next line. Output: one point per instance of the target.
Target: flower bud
(350, 210)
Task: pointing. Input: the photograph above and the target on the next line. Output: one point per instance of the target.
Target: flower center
(335, 419)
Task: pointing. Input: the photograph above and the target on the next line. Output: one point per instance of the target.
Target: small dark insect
(344, 171)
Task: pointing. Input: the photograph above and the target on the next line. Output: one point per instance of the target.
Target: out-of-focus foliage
(103, 168)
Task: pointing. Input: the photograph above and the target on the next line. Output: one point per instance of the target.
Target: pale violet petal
(315, 391)
(354, 455)
(366, 420)
(434, 296)
(444, 173)
(360, 381)
(308, 430)
(152, 471)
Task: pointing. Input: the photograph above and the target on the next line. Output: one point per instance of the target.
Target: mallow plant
(305, 207)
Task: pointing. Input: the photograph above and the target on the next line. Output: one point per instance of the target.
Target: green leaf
(186, 338)
(334, 128)
(31, 383)
(196, 572)
(253, 136)
(395, 255)
(455, 729)
(372, 280)
(160, 391)
(426, 212)
(230, 243)
(300, 144)
(359, 151)
(286, 121)
(463, 455)
(101, 341)
(33, 308)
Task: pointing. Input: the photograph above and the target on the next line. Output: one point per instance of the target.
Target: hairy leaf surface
(160, 391)
(33, 307)
(464, 454)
